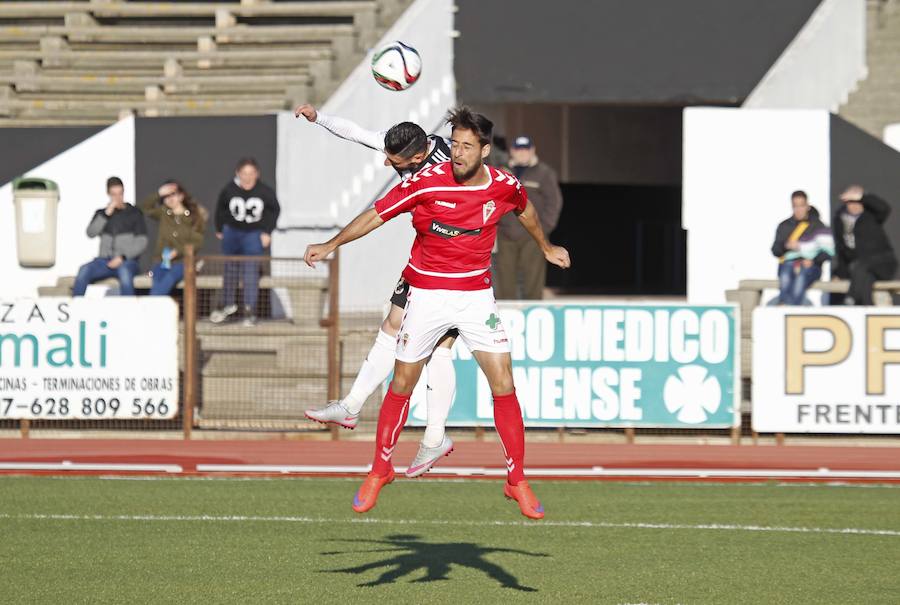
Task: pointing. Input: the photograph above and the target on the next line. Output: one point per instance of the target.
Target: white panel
(823, 63)
(740, 167)
(81, 172)
(892, 136)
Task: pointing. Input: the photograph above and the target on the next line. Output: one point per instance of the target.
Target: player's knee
(392, 323)
(401, 385)
(502, 382)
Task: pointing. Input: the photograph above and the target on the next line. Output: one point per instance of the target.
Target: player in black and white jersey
(407, 150)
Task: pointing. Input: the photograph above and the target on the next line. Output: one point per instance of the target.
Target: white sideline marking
(597, 471)
(438, 479)
(460, 471)
(375, 521)
(65, 465)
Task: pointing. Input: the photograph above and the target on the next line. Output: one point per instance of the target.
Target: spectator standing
(864, 252)
(803, 243)
(181, 222)
(517, 253)
(123, 238)
(246, 214)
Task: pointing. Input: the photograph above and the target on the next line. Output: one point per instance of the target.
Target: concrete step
(313, 363)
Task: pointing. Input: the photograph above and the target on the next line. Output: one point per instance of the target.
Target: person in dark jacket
(181, 222)
(802, 244)
(864, 252)
(123, 238)
(246, 214)
(517, 253)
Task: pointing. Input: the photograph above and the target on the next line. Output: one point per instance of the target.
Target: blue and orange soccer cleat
(521, 492)
(367, 495)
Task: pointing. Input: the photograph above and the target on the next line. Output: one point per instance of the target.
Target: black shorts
(399, 298)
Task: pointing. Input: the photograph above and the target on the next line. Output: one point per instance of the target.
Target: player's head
(470, 142)
(247, 173)
(406, 147)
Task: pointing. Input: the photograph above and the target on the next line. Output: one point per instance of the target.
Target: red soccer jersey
(455, 225)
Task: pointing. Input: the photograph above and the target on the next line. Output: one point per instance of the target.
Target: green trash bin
(36, 203)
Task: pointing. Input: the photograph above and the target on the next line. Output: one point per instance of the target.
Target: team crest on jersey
(487, 210)
(404, 340)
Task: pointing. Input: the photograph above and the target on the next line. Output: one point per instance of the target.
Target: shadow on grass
(435, 558)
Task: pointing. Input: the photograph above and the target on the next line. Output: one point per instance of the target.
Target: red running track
(882, 462)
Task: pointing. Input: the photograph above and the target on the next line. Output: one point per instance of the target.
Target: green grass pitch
(97, 540)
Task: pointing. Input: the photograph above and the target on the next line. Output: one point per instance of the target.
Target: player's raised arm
(398, 200)
(363, 224)
(557, 255)
(342, 127)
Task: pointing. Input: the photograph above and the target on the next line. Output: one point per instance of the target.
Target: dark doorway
(624, 239)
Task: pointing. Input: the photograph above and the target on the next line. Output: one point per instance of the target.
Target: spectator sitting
(802, 243)
(181, 222)
(864, 252)
(517, 252)
(246, 214)
(123, 238)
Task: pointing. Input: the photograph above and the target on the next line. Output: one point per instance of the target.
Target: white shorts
(430, 313)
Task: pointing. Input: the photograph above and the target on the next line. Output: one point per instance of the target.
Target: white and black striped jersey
(439, 147)
(439, 152)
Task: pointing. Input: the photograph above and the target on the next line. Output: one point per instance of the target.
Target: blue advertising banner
(608, 365)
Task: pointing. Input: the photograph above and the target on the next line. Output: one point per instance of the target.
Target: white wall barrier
(740, 167)
(892, 136)
(81, 174)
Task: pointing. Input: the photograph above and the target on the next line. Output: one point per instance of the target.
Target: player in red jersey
(457, 208)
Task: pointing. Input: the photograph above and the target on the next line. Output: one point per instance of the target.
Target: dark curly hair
(466, 119)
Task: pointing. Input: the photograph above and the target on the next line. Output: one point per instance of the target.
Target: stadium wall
(823, 63)
(81, 172)
(740, 167)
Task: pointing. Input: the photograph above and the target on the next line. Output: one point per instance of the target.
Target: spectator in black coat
(802, 244)
(864, 252)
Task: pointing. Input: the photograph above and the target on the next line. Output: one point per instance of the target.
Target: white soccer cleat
(334, 413)
(428, 456)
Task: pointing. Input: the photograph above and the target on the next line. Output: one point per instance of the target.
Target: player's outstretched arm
(365, 223)
(557, 255)
(342, 127)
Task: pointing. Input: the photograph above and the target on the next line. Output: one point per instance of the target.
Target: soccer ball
(396, 66)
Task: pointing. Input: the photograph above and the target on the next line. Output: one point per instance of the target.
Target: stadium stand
(92, 61)
(877, 101)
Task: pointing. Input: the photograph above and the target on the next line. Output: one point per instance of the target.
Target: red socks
(394, 410)
(508, 421)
